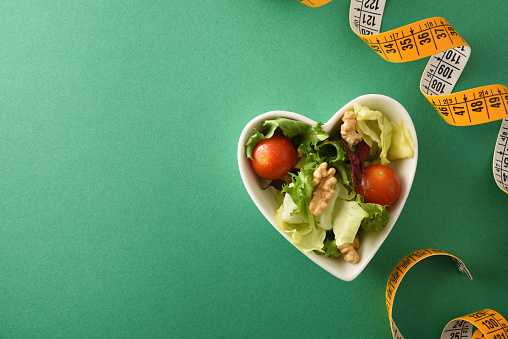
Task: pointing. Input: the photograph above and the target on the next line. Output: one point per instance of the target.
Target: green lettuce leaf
(377, 218)
(347, 222)
(330, 249)
(327, 217)
(403, 145)
(301, 193)
(375, 129)
(253, 141)
(305, 237)
(302, 134)
(290, 211)
(334, 154)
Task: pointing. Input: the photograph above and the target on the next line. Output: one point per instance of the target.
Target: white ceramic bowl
(405, 168)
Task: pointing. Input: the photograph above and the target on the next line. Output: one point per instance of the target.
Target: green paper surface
(122, 210)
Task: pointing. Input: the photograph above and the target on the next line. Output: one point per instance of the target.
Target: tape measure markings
(471, 104)
(409, 261)
(368, 21)
(457, 328)
(488, 322)
(444, 69)
(401, 269)
(413, 42)
(449, 53)
(434, 37)
(500, 166)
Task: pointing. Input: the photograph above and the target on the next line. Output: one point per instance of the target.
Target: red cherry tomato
(274, 157)
(380, 185)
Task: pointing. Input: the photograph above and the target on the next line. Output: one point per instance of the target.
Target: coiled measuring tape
(488, 323)
(449, 53)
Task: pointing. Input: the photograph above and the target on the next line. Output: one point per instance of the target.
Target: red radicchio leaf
(357, 160)
(362, 152)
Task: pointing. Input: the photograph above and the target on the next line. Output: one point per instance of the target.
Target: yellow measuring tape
(488, 323)
(449, 53)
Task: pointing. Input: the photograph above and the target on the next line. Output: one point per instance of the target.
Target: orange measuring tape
(449, 53)
(488, 323)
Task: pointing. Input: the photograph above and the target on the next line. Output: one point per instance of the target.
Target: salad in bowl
(334, 190)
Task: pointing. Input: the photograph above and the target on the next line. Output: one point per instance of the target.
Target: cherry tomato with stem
(380, 185)
(274, 157)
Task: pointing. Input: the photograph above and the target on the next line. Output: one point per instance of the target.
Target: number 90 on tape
(449, 53)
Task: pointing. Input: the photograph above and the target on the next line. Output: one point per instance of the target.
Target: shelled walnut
(325, 181)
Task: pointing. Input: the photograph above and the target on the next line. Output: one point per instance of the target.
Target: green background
(122, 210)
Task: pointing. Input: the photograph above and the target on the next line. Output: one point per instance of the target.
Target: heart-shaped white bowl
(405, 168)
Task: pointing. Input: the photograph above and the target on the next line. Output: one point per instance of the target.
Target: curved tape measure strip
(314, 3)
(449, 53)
(500, 165)
(488, 322)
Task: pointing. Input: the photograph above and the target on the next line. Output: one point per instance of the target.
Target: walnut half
(347, 130)
(349, 252)
(324, 180)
